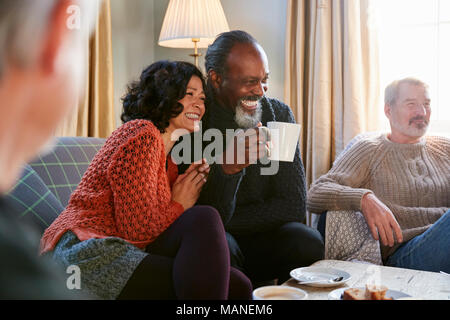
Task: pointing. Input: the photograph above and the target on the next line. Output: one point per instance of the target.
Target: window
(414, 40)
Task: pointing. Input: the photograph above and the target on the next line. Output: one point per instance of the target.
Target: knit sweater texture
(249, 202)
(125, 192)
(413, 180)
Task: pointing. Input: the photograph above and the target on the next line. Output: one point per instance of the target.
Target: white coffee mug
(284, 140)
(279, 293)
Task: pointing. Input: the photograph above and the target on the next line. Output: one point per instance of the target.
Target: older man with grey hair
(399, 181)
(42, 45)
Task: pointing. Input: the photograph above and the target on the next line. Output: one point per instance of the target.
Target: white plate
(337, 294)
(317, 273)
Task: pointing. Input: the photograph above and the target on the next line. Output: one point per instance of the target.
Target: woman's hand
(201, 166)
(186, 189)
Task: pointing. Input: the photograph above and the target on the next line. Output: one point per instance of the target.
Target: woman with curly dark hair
(131, 225)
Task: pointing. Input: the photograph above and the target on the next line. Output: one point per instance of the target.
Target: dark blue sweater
(249, 202)
(23, 274)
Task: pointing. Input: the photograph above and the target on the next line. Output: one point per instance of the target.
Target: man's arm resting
(286, 203)
(381, 220)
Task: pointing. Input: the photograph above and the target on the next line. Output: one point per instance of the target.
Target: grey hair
(23, 24)
(391, 91)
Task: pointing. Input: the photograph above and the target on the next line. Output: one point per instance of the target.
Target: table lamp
(192, 24)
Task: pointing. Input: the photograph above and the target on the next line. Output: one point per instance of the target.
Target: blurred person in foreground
(40, 81)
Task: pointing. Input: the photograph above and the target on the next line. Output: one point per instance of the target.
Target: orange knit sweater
(125, 192)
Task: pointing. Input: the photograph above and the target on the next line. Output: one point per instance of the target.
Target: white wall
(136, 25)
(266, 21)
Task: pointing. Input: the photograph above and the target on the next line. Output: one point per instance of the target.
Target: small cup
(279, 293)
(284, 140)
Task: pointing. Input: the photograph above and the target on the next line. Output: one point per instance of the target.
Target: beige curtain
(95, 114)
(331, 77)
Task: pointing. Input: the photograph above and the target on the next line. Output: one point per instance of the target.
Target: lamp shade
(192, 19)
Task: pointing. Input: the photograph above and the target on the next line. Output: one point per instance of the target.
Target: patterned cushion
(62, 168)
(33, 201)
(348, 238)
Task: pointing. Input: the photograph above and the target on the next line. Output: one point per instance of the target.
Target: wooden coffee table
(418, 284)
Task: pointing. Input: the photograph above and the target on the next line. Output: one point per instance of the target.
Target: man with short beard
(400, 181)
(263, 214)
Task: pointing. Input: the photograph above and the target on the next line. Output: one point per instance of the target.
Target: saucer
(317, 273)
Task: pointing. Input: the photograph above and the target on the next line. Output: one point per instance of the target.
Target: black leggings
(190, 260)
(273, 254)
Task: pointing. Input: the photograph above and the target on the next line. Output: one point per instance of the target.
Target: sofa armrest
(32, 201)
(348, 238)
(63, 167)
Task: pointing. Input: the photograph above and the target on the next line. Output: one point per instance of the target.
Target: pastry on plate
(371, 292)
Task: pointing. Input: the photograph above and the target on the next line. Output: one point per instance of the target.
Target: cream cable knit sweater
(413, 180)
